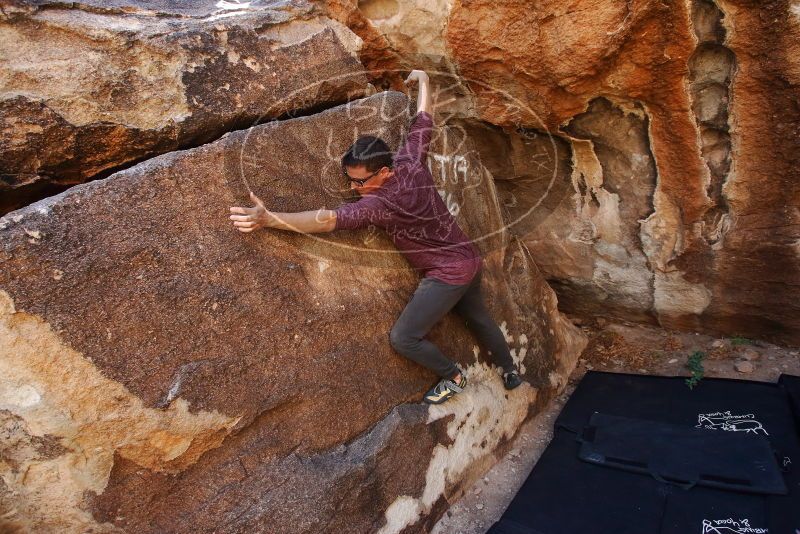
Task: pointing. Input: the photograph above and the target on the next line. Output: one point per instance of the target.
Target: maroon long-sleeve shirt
(410, 210)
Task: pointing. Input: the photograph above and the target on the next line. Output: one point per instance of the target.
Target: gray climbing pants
(430, 302)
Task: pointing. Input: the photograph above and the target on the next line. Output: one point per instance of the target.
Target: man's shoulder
(408, 177)
(408, 166)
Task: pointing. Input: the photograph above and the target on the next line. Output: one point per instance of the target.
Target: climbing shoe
(445, 389)
(511, 380)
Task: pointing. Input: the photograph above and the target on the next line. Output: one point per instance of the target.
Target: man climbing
(398, 194)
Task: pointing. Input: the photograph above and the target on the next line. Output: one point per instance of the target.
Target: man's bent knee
(399, 339)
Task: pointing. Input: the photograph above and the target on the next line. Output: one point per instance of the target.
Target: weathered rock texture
(673, 125)
(161, 372)
(674, 143)
(89, 88)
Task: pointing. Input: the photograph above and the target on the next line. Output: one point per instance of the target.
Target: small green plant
(695, 365)
(737, 341)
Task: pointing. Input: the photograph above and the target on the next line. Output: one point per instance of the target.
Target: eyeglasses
(360, 181)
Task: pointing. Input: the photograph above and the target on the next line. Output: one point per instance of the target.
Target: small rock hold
(750, 354)
(58, 274)
(479, 506)
(673, 360)
(718, 344)
(745, 367)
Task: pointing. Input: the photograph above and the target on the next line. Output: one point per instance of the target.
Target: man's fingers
(245, 219)
(250, 212)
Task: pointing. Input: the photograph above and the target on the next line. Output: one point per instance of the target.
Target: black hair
(370, 151)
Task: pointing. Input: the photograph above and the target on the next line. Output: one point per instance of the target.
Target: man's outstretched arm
(306, 222)
(420, 133)
(424, 95)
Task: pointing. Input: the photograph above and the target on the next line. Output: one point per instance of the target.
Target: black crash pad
(726, 405)
(564, 495)
(791, 384)
(682, 454)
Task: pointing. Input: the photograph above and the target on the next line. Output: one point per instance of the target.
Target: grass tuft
(737, 341)
(695, 365)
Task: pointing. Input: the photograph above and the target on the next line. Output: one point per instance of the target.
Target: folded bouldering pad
(564, 494)
(682, 455)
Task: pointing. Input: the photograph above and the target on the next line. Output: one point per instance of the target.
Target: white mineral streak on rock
(351, 42)
(228, 8)
(295, 32)
(504, 329)
(155, 73)
(482, 416)
(403, 511)
(23, 396)
(662, 232)
(418, 23)
(556, 380)
(597, 210)
(518, 354)
(59, 394)
(676, 296)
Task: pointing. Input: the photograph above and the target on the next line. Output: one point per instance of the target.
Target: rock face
(88, 88)
(161, 372)
(668, 131)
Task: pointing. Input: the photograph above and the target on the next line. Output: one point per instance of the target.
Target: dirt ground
(616, 348)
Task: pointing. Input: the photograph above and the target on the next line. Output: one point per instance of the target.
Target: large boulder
(668, 131)
(161, 372)
(88, 88)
